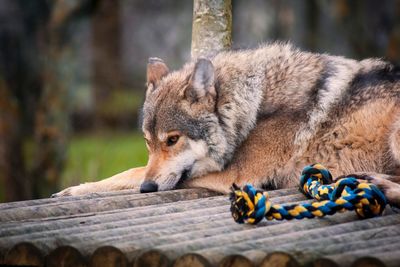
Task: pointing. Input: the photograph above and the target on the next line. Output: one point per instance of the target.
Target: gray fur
(259, 116)
(248, 85)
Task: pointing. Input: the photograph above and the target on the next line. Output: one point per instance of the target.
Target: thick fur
(261, 115)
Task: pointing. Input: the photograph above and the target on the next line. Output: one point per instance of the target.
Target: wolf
(259, 116)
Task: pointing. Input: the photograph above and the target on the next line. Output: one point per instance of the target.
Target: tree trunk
(212, 27)
(107, 69)
(51, 125)
(52, 116)
(12, 168)
(20, 88)
(33, 100)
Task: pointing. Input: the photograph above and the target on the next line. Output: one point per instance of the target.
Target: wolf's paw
(77, 190)
(389, 188)
(63, 193)
(380, 180)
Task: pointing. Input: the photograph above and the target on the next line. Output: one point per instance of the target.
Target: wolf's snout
(148, 187)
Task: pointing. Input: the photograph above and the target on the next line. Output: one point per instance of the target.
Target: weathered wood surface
(164, 228)
(92, 203)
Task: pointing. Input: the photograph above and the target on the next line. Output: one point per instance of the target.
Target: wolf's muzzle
(148, 187)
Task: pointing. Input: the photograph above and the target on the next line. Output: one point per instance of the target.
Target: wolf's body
(259, 116)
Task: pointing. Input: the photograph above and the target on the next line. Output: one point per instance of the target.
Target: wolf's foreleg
(129, 179)
(216, 181)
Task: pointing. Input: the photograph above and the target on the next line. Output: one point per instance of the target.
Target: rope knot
(313, 181)
(367, 199)
(249, 205)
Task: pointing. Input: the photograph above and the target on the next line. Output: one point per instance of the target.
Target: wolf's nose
(148, 187)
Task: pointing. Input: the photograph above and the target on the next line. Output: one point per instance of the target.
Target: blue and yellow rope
(249, 205)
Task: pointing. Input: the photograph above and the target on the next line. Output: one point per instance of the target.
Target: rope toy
(249, 205)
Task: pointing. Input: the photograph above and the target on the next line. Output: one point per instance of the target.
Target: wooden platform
(174, 224)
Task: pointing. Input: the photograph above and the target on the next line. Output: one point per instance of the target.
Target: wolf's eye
(172, 140)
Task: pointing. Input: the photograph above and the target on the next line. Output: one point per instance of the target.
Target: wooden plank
(323, 262)
(385, 239)
(108, 256)
(65, 256)
(25, 254)
(368, 261)
(279, 259)
(389, 258)
(235, 261)
(45, 201)
(139, 227)
(250, 239)
(182, 225)
(87, 205)
(106, 217)
(256, 255)
(69, 206)
(107, 220)
(202, 193)
(192, 260)
(310, 251)
(190, 231)
(153, 258)
(216, 228)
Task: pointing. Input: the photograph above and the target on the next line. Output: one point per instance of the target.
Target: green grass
(95, 157)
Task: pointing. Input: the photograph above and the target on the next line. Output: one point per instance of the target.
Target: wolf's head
(180, 124)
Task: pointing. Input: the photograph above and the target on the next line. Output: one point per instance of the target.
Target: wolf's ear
(156, 70)
(202, 80)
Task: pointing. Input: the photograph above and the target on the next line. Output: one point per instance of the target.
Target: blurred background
(72, 73)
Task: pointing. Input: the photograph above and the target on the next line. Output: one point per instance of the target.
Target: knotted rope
(249, 205)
